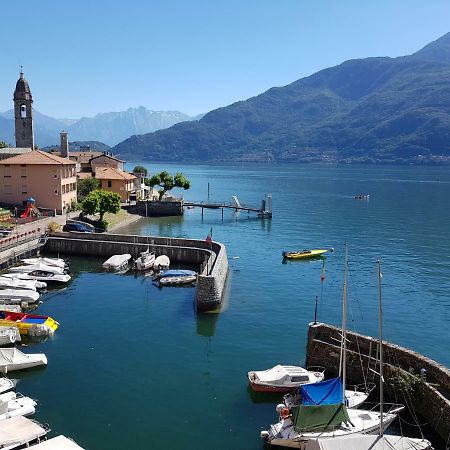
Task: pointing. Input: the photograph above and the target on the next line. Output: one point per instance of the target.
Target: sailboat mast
(343, 369)
(380, 310)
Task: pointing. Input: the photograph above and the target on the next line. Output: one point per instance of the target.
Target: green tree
(141, 170)
(85, 186)
(101, 202)
(3, 144)
(167, 182)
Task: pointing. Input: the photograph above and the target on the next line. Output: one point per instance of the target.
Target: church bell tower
(23, 114)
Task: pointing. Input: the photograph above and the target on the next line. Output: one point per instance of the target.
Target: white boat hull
(9, 335)
(19, 295)
(13, 359)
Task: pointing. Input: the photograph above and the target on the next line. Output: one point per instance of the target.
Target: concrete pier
(428, 396)
(210, 257)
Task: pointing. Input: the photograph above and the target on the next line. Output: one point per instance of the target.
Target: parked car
(79, 227)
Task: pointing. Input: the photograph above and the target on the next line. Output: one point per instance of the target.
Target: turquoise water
(133, 366)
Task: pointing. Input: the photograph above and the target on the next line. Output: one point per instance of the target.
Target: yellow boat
(303, 254)
(29, 324)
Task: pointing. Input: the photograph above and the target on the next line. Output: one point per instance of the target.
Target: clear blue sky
(85, 57)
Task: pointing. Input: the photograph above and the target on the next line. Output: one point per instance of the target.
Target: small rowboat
(303, 254)
(29, 324)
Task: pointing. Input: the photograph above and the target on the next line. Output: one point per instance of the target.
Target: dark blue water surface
(135, 367)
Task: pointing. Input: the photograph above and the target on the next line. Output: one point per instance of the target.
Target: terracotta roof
(108, 156)
(109, 173)
(84, 175)
(36, 157)
(84, 157)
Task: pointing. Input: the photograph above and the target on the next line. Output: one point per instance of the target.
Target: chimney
(64, 146)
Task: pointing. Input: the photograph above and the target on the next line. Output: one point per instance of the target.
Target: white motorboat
(42, 276)
(6, 384)
(58, 443)
(162, 262)
(57, 262)
(15, 404)
(27, 268)
(9, 335)
(367, 442)
(284, 378)
(146, 260)
(13, 359)
(117, 262)
(19, 432)
(19, 295)
(26, 277)
(17, 283)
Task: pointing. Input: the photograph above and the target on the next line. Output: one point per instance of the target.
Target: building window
(56, 191)
(23, 171)
(109, 183)
(64, 189)
(7, 172)
(24, 189)
(7, 189)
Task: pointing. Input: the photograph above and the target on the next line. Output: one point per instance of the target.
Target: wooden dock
(265, 211)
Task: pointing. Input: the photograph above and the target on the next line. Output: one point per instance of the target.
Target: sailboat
(323, 412)
(355, 396)
(380, 442)
(147, 259)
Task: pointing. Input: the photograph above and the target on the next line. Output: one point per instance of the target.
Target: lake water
(133, 366)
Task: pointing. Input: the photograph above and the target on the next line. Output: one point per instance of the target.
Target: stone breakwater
(427, 396)
(210, 257)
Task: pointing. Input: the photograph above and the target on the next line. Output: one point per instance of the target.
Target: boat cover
(368, 442)
(19, 429)
(58, 443)
(315, 418)
(178, 273)
(329, 392)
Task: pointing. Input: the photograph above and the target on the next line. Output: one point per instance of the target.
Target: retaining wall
(210, 257)
(403, 384)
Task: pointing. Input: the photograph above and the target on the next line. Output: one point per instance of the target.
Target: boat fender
(280, 407)
(284, 413)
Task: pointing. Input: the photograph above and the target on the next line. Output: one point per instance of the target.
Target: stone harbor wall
(211, 258)
(212, 281)
(427, 395)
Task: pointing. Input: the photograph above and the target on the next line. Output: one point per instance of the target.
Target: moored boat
(304, 254)
(19, 432)
(26, 277)
(29, 324)
(284, 378)
(42, 276)
(117, 262)
(6, 384)
(57, 262)
(27, 268)
(19, 295)
(15, 404)
(177, 281)
(13, 359)
(58, 443)
(146, 260)
(17, 283)
(9, 335)
(369, 442)
(162, 262)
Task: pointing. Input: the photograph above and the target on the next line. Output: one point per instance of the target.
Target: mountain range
(109, 128)
(377, 109)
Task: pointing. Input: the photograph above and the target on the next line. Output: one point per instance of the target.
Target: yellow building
(115, 180)
(49, 179)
